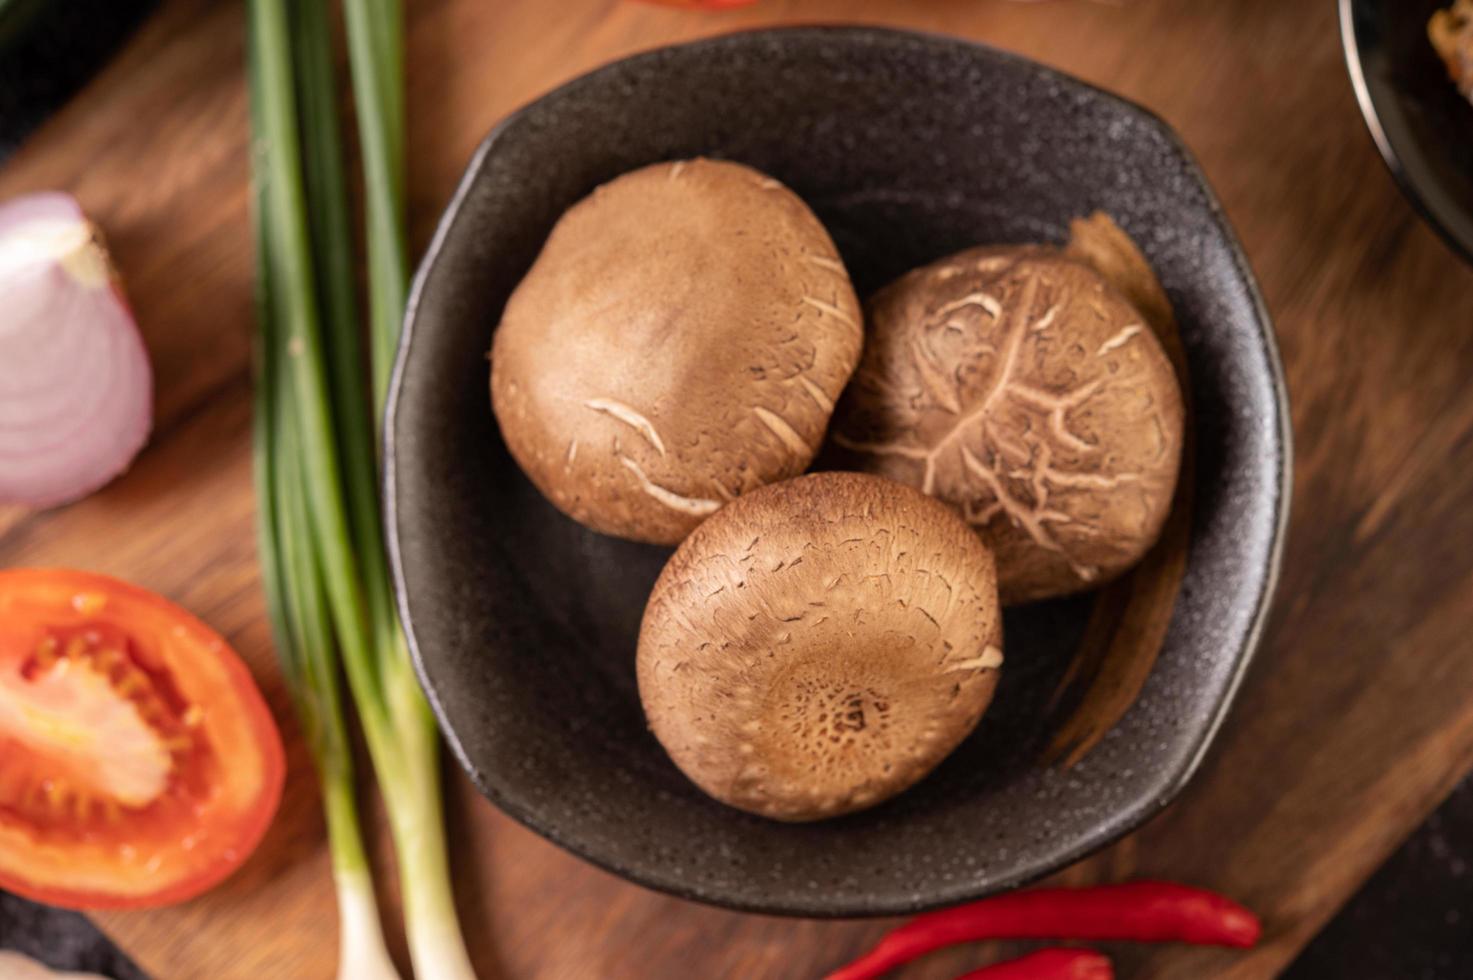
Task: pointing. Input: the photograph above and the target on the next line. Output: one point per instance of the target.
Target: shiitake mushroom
(820, 644)
(1020, 386)
(680, 341)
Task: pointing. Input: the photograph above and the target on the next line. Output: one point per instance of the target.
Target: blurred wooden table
(1355, 720)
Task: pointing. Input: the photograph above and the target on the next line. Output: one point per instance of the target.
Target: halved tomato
(138, 763)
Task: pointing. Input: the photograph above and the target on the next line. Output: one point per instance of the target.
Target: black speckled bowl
(523, 624)
(1422, 125)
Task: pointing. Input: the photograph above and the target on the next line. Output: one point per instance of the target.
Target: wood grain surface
(1355, 720)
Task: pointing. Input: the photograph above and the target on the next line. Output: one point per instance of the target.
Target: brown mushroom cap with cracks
(820, 645)
(680, 341)
(1017, 385)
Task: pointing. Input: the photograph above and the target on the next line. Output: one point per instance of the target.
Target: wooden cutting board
(1354, 722)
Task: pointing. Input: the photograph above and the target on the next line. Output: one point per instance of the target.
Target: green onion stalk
(322, 547)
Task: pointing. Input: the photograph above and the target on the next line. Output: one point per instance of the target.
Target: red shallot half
(76, 390)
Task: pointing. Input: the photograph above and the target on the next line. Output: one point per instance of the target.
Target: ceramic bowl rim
(1371, 113)
(1133, 813)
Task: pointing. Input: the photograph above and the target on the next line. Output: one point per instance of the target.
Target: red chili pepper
(1049, 964)
(1144, 911)
(702, 4)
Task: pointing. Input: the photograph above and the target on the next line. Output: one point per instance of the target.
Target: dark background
(1412, 921)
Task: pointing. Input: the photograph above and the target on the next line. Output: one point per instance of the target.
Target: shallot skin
(76, 388)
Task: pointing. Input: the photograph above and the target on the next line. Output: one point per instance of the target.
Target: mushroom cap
(1019, 386)
(820, 645)
(681, 340)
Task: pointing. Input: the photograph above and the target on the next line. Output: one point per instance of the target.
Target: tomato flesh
(138, 763)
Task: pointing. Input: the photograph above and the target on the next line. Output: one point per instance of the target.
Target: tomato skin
(236, 765)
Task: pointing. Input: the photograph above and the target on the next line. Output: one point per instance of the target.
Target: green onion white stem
(322, 542)
(295, 592)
